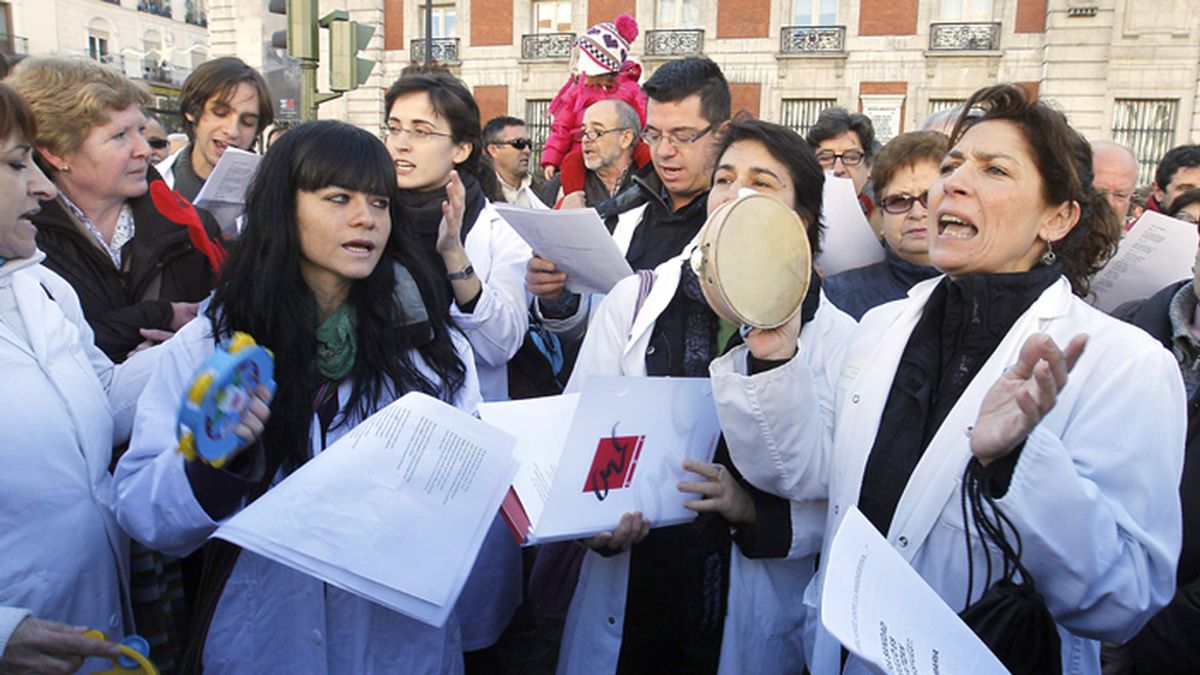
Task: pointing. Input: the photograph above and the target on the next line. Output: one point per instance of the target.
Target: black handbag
(1011, 616)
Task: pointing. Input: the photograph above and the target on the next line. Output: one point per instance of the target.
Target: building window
(98, 44)
(966, 10)
(799, 114)
(1147, 126)
(551, 16)
(814, 12)
(678, 14)
(444, 21)
(537, 122)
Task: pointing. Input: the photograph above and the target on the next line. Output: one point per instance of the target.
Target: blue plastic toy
(134, 658)
(218, 394)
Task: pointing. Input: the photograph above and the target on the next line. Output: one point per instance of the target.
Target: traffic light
(300, 38)
(346, 39)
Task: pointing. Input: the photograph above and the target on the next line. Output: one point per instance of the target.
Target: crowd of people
(966, 366)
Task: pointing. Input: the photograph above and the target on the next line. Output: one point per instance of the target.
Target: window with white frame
(799, 114)
(551, 16)
(678, 14)
(444, 20)
(966, 10)
(814, 12)
(97, 41)
(1146, 126)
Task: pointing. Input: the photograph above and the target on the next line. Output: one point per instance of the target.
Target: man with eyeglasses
(843, 143)
(609, 156)
(506, 142)
(1115, 172)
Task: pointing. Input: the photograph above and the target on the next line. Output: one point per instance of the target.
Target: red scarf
(178, 210)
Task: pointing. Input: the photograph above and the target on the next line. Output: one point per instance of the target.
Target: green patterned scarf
(337, 344)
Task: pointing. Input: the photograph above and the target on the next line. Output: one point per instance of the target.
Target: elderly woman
(902, 172)
(353, 324)
(139, 257)
(969, 372)
(65, 405)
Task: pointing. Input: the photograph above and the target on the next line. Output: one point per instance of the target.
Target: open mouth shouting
(361, 248)
(954, 227)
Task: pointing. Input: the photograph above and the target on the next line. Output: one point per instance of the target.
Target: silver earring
(1049, 257)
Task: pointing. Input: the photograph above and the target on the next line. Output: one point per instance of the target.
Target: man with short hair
(1115, 173)
(605, 163)
(506, 142)
(224, 103)
(1178, 172)
(844, 143)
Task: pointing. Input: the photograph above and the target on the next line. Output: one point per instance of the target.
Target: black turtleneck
(664, 232)
(964, 321)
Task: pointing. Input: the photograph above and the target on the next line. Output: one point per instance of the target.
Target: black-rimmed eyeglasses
(849, 158)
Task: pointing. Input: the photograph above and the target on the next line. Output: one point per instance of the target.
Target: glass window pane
(691, 14)
(828, 12)
(666, 13)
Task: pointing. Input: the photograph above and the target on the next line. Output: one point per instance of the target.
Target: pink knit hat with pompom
(605, 46)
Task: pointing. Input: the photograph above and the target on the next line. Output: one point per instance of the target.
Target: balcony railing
(195, 15)
(445, 50)
(964, 37)
(14, 44)
(156, 7)
(547, 46)
(812, 39)
(681, 42)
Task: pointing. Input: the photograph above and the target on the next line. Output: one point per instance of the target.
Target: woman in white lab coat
(1072, 422)
(761, 549)
(350, 332)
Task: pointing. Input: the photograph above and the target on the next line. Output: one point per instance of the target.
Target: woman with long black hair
(321, 278)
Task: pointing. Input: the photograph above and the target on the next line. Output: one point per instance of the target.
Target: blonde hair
(70, 96)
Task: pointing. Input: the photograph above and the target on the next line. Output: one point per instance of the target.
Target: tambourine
(219, 392)
(754, 261)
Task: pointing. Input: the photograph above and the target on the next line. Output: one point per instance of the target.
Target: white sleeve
(600, 353)
(497, 325)
(469, 396)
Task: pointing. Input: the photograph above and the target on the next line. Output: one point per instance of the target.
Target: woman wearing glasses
(903, 172)
(433, 134)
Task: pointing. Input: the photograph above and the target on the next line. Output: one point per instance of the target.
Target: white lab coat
(64, 405)
(270, 618)
(762, 631)
(166, 168)
(1094, 494)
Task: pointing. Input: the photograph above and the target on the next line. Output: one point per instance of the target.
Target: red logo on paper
(614, 463)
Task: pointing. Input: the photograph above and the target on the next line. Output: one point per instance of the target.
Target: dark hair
(16, 117)
(1181, 157)
(496, 125)
(451, 99)
(677, 80)
(282, 315)
(220, 77)
(1064, 162)
(907, 150)
(789, 149)
(1183, 201)
(833, 122)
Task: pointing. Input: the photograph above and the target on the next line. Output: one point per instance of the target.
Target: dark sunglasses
(158, 143)
(518, 143)
(897, 204)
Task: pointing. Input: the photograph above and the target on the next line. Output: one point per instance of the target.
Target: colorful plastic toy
(218, 394)
(134, 655)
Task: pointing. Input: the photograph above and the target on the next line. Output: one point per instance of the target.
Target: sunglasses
(518, 143)
(158, 143)
(897, 204)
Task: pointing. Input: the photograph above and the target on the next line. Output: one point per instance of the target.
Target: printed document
(395, 511)
(575, 240)
(1156, 252)
(224, 193)
(885, 613)
(849, 240)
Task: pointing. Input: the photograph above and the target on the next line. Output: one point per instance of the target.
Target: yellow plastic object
(141, 665)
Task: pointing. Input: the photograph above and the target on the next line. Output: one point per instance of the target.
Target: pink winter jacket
(574, 98)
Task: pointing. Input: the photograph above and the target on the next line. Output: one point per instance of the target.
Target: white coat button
(968, 430)
(902, 541)
(855, 398)
(114, 621)
(316, 637)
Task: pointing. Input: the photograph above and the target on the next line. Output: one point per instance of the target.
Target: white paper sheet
(849, 240)
(575, 240)
(395, 511)
(885, 613)
(1155, 252)
(224, 193)
(657, 423)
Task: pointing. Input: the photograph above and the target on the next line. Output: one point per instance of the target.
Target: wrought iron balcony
(682, 42)
(547, 45)
(964, 37)
(195, 15)
(812, 39)
(445, 50)
(157, 7)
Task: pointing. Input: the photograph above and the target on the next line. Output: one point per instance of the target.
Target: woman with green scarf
(350, 334)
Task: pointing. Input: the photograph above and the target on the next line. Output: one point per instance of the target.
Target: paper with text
(1155, 252)
(224, 192)
(395, 511)
(885, 613)
(849, 241)
(575, 240)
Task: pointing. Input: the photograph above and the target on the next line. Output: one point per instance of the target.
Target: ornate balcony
(547, 46)
(156, 7)
(964, 37)
(445, 50)
(683, 42)
(812, 39)
(195, 15)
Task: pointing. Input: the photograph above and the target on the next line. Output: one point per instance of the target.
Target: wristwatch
(466, 273)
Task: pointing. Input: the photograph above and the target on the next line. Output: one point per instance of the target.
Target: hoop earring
(1049, 257)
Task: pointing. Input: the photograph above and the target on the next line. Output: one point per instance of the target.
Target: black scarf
(422, 213)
